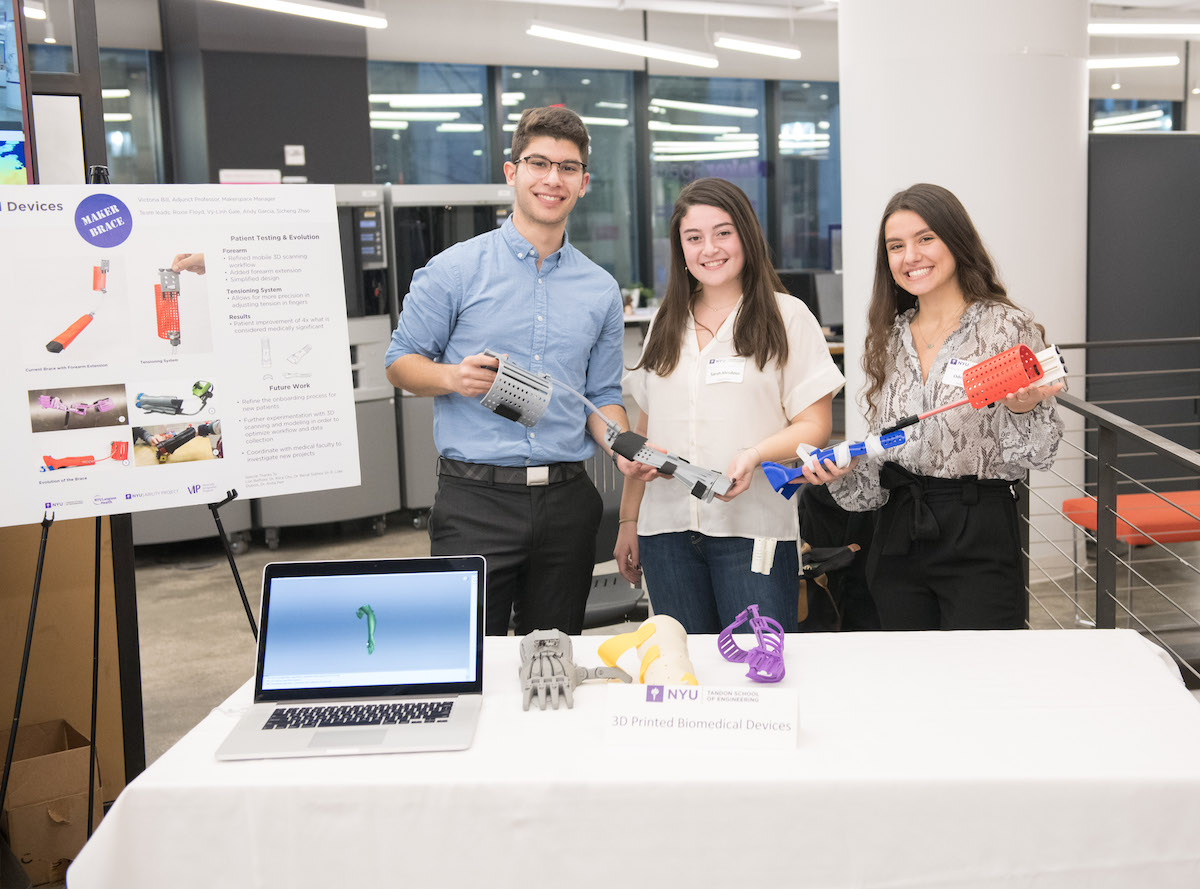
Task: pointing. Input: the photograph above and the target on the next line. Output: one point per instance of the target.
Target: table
(967, 759)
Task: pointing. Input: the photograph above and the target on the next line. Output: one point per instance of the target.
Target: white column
(989, 100)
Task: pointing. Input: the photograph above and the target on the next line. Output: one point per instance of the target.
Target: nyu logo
(654, 694)
(683, 694)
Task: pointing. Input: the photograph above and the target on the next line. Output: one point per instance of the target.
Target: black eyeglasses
(540, 166)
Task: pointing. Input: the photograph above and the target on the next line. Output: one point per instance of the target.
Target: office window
(703, 126)
(809, 175)
(428, 123)
(604, 222)
(1133, 115)
(132, 123)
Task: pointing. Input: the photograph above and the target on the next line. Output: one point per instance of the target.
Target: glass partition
(1133, 115)
(703, 126)
(604, 222)
(12, 130)
(809, 175)
(132, 126)
(50, 36)
(428, 123)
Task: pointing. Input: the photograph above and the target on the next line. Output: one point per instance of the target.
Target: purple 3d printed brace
(54, 403)
(765, 659)
(522, 397)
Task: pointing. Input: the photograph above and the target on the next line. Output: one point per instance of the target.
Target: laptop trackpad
(348, 737)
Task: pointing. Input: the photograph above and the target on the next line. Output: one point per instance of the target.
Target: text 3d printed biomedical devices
(766, 658)
(99, 285)
(521, 396)
(119, 450)
(547, 667)
(987, 382)
(166, 306)
(169, 404)
(661, 642)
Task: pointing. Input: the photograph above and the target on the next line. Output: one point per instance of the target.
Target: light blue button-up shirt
(564, 320)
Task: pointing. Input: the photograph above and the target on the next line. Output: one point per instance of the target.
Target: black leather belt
(510, 475)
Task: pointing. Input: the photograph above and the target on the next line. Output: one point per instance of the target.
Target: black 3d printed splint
(522, 397)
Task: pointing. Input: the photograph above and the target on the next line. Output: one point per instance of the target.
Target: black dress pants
(946, 554)
(539, 542)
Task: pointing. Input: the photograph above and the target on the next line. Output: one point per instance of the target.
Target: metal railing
(1156, 592)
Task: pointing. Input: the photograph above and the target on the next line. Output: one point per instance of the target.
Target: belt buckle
(537, 476)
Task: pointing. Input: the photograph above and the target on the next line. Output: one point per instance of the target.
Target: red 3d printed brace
(987, 382)
(100, 285)
(166, 306)
(118, 451)
(521, 396)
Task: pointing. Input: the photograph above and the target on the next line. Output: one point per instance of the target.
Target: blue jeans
(705, 582)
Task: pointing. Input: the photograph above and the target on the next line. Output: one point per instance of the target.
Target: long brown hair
(758, 330)
(974, 269)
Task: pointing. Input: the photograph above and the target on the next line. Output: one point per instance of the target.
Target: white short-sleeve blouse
(716, 403)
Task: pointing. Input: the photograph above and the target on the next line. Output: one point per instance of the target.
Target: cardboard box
(45, 813)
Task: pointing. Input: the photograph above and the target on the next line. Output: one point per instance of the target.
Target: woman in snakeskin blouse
(946, 550)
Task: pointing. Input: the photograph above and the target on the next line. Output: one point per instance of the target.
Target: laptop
(365, 656)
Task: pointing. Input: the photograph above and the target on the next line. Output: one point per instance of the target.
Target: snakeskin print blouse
(987, 443)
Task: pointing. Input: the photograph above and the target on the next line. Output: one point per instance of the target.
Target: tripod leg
(232, 563)
(95, 687)
(47, 521)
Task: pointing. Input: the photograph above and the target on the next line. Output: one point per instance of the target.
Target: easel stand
(229, 497)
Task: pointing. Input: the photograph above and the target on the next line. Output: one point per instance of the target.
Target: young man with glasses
(517, 495)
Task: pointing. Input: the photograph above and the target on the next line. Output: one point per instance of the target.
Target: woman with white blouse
(734, 372)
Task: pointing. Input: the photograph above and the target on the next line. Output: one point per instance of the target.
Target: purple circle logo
(103, 221)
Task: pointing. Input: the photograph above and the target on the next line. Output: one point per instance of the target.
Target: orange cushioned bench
(1144, 518)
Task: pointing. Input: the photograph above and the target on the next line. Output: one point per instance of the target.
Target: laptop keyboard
(360, 714)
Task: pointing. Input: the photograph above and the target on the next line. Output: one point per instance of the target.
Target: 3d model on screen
(522, 397)
(119, 450)
(987, 382)
(99, 285)
(369, 613)
(167, 443)
(54, 403)
(765, 659)
(166, 306)
(547, 667)
(661, 642)
(170, 404)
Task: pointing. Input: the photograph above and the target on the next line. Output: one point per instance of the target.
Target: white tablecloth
(1039, 759)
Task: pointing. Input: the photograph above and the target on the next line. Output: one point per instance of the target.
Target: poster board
(165, 344)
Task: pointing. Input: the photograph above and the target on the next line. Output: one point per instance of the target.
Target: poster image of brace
(174, 294)
(293, 368)
(173, 398)
(77, 407)
(83, 451)
(177, 443)
(81, 315)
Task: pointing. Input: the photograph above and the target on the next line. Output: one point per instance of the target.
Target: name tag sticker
(954, 371)
(705, 716)
(724, 370)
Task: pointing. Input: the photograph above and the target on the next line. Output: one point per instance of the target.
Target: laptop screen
(373, 628)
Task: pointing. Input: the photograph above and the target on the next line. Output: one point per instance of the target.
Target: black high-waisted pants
(946, 554)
